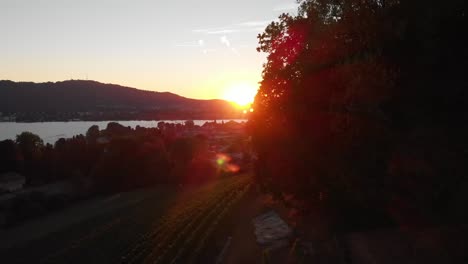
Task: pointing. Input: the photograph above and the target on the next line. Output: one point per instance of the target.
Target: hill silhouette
(91, 96)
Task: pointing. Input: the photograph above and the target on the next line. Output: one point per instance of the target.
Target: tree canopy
(362, 101)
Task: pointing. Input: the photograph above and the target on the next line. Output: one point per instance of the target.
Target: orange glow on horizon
(241, 94)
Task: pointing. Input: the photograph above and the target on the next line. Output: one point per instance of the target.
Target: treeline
(362, 111)
(110, 160)
(114, 159)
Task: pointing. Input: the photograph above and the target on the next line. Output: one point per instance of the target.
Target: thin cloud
(206, 51)
(258, 29)
(286, 7)
(187, 44)
(194, 44)
(235, 51)
(248, 26)
(224, 31)
(213, 30)
(224, 40)
(255, 23)
(200, 30)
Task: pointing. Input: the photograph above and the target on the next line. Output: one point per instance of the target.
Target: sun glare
(242, 94)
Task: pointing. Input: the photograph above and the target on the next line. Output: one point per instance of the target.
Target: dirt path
(243, 247)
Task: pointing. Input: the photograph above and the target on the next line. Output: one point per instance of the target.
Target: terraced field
(164, 226)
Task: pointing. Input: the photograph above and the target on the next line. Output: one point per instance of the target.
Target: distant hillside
(92, 96)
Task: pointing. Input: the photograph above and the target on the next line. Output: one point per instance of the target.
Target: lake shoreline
(129, 120)
(52, 131)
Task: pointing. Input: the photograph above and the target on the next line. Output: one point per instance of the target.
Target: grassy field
(165, 226)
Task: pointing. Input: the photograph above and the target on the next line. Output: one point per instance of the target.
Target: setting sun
(241, 94)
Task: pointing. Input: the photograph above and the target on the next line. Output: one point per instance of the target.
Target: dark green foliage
(114, 159)
(92, 134)
(362, 106)
(111, 160)
(9, 156)
(31, 147)
(30, 144)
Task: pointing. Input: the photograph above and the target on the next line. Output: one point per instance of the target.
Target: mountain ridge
(77, 96)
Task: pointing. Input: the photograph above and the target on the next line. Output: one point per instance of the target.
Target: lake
(51, 131)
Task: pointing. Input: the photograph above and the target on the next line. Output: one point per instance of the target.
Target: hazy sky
(194, 48)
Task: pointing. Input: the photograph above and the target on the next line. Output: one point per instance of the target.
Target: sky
(198, 49)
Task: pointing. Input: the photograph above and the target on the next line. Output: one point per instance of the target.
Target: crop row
(174, 235)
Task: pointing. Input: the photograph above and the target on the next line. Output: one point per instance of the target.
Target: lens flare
(224, 163)
(222, 159)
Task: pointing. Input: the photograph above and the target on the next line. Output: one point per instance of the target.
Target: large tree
(31, 147)
(8, 156)
(347, 88)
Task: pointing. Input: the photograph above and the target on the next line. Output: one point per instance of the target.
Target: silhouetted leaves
(349, 89)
